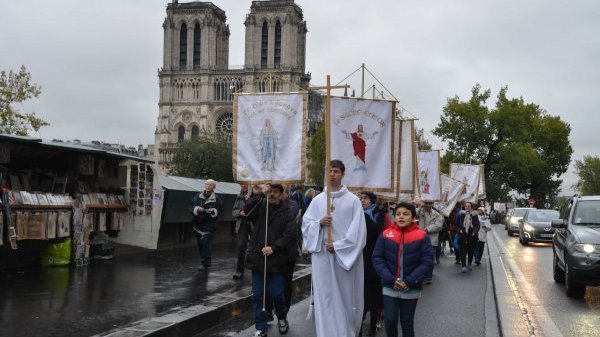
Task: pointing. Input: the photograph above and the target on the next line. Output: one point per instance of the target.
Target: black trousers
(243, 236)
(373, 301)
(466, 253)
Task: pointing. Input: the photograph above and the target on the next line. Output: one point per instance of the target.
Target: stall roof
(70, 147)
(196, 185)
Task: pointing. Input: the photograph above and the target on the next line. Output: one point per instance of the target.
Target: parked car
(536, 226)
(576, 245)
(512, 219)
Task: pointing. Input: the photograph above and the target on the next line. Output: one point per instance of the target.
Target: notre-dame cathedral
(196, 82)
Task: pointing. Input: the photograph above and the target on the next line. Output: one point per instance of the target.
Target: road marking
(531, 307)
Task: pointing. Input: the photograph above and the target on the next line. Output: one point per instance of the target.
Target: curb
(196, 319)
(510, 317)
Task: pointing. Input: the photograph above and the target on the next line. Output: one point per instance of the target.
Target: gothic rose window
(225, 124)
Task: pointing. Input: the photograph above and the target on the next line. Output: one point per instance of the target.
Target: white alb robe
(338, 278)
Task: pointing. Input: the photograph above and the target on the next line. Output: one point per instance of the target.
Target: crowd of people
(367, 256)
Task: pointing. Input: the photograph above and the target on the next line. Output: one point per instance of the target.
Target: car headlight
(514, 221)
(587, 248)
(529, 228)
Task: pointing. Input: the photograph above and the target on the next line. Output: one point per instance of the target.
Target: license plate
(546, 235)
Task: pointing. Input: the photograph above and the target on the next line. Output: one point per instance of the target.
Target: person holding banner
(273, 240)
(337, 260)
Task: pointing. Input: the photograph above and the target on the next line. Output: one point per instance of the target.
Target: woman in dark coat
(468, 236)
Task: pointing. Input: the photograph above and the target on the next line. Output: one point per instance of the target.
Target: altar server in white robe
(337, 267)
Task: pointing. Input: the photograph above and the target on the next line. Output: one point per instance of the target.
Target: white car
(512, 219)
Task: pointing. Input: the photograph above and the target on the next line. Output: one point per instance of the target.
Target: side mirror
(558, 223)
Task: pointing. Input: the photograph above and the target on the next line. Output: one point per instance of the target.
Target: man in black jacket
(281, 234)
(206, 208)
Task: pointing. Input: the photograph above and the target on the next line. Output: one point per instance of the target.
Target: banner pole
(265, 257)
(328, 151)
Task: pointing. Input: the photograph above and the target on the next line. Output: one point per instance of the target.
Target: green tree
(315, 155)
(209, 155)
(521, 147)
(422, 142)
(588, 171)
(15, 88)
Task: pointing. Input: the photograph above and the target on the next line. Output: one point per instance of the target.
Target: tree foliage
(209, 155)
(15, 88)
(422, 142)
(588, 171)
(316, 156)
(521, 147)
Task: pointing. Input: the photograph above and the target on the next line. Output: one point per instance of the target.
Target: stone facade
(196, 82)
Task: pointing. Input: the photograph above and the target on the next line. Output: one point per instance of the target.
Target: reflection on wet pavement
(65, 301)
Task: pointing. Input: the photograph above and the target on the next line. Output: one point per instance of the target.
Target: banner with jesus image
(362, 136)
(428, 176)
(268, 138)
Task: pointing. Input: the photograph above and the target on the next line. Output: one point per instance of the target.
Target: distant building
(196, 81)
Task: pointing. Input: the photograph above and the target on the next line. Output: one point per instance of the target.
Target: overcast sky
(97, 61)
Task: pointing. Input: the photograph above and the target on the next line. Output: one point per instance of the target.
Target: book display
(35, 215)
(94, 213)
(141, 189)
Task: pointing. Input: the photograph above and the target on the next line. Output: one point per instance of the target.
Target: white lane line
(533, 308)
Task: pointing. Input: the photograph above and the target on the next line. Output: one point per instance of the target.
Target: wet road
(67, 301)
(555, 314)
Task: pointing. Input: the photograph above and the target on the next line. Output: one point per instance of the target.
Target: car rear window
(542, 216)
(519, 212)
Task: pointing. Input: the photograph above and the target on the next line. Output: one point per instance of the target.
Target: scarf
(468, 223)
(369, 212)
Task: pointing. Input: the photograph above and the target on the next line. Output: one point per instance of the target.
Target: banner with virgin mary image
(362, 136)
(428, 176)
(269, 138)
(469, 175)
(452, 190)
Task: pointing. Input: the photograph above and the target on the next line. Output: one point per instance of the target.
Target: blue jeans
(275, 291)
(392, 307)
(204, 243)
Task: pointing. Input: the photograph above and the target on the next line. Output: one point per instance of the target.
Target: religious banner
(428, 176)
(469, 175)
(407, 161)
(481, 194)
(394, 194)
(452, 190)
(269, 138)
(362, 136)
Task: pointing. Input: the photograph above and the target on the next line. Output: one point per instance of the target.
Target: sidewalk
(143, 293)
(456, 304)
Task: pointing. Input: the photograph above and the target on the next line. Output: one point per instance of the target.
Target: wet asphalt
(110, 294)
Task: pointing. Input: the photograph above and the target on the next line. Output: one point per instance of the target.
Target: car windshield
(587, 213)
(519, 212)
(542, 216)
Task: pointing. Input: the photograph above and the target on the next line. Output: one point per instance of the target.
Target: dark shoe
(259, 333)
(428, 281)
(238, 276)
(477, 262)
(283, 326)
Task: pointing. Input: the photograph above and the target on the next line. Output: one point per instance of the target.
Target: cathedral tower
(196, 83)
